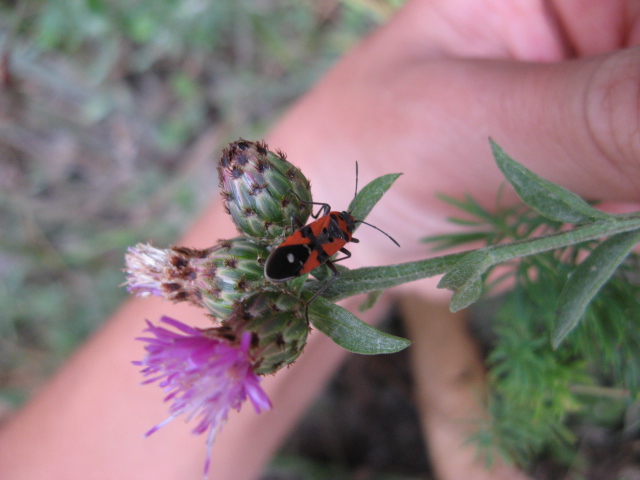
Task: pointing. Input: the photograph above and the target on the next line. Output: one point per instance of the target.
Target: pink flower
(204, 375)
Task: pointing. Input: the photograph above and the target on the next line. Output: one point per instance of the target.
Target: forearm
(100, 410)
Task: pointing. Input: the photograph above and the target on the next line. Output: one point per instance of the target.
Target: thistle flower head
(239, 265)
(215, 278)
(205, 374)
(262, 191)
(278, 327)
(177, 273)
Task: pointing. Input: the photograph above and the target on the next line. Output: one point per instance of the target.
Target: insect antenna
(382, 231)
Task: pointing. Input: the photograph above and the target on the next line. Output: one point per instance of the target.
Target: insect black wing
(285, 263)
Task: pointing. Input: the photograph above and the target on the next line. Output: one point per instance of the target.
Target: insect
(314, 244)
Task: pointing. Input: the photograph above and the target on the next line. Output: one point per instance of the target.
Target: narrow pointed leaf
(545, 197)
(296, 285)
(469, 205)
(370, 195)
(588, 278)
(351, 333)
(467, 270)
(466, 295)
(370, 300)
(323, 273)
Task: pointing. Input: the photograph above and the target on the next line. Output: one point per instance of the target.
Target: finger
(449, 378)
(518, 29)
(574, 123)
(593, 27)
(530, 30)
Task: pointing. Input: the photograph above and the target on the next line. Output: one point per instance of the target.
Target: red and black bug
(314, 244)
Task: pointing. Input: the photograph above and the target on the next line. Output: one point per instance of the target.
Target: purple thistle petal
(204, 376)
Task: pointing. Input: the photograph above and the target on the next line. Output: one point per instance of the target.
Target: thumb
(575, 123)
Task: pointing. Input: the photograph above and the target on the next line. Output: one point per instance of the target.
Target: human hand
(551, 82)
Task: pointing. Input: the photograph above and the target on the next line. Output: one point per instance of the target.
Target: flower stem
(369, 279)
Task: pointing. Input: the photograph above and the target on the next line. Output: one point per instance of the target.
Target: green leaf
(370, 301)
(466, 295)
(588, 278)
(370, 195)
(469, 205)
(322, 273)
(295, 285)
(351, 333)
(467, 270)
(545, 197)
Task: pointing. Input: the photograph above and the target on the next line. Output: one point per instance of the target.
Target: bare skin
(555, 83)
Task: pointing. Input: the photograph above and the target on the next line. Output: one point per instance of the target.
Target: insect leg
(324, 209)
(333, 268)
(347, 254)
(296, 224)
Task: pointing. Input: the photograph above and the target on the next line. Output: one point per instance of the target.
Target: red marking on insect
(314, 244)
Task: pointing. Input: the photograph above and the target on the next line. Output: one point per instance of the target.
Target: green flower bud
(278, 326)
(262, 191)
(238, 269)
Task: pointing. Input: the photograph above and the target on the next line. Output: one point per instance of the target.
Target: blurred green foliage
(543, 400)
(240, 61)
